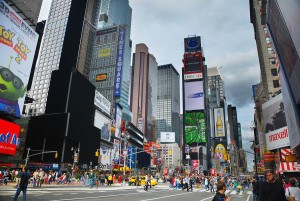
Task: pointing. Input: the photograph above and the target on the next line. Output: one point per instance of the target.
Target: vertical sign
(219, 122)
(17, 47)
(120, 62)
(118, 120)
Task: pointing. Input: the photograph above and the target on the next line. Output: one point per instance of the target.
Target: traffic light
(170, 152)
(97, 153)
(56, 155)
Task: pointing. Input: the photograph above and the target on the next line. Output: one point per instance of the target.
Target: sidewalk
(73, 186)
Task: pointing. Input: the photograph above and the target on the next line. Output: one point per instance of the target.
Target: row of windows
(107, 38)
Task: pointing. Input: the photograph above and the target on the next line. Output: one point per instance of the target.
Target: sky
(227, 38)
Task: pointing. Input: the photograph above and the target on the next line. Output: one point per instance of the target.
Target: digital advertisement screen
(194, 129)
(194, 95)
(192, 44)
(193, 65)
(17, 47)
(219, 150)
(103, 123)
(9, 137)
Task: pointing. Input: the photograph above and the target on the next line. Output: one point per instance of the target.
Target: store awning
(289, 167)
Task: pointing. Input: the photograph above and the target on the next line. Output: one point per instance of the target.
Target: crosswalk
(231, 192)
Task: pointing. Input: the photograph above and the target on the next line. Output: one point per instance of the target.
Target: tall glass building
(51, 49)
(168, 101)
(113, 13)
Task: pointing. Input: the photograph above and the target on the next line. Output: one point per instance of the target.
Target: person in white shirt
(293, 190)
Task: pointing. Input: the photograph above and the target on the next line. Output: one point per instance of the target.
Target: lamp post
(198, 159)
(124, 137)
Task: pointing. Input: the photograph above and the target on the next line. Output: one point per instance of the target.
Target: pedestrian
(187, 182)
(109, 180)
(220, 195)
(255, 185)
(22, 185)
(146, 183)
(91, 179)
(271, 189)
(293, 190)
(206, 183)
(212, 184)
(191, 183)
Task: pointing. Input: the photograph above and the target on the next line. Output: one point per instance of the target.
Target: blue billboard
(131, 159)
(120, 62)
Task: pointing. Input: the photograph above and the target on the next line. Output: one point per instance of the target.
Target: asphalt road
(160, 192)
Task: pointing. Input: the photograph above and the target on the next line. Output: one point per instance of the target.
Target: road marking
(248, 198)
(164, 197)
(249, 193)
(103, 196)
(207, 198)
(58, 194)
(73, 193)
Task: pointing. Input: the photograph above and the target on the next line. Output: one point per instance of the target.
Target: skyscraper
(144, 91)
(267, 61)
(54, 38)
(216, 89)
(168, 100)
(112, 14)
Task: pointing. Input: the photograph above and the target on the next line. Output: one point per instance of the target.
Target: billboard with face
(194, 129)
(219, 150)
(194, 95)
(275, 123)
(103, 123)
(17, 47)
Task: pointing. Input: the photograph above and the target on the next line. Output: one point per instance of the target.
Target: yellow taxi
(153, 181)
(132, 179)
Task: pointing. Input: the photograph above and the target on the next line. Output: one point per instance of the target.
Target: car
(153, 181)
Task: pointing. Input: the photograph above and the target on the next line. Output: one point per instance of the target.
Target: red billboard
(9, 137)
(193, 66)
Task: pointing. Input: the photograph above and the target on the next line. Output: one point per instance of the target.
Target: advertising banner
(118, 120)
(219, 150)
(193, 66)
(115, 152)
(167, 137)
(9, 137)
(102, 103)
(17, 47)
(192, 44)
(101, 77)
(104, 158)
(104, 52)
(120, 62)
(194, 95)
(103, 123)
(194, 129)
(131, 159)
(275, 127)
(195, 164)
(219, 122)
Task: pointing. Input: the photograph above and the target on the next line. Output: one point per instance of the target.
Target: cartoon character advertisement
(219, 151)
(17, 46)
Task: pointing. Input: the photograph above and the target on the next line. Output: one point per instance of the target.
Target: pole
(198, 159)
(27, 157)
(124, 163)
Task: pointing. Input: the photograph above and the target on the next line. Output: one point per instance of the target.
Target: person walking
(255, 185)
(271, 189)
(91, 179)
(22, 185)
(206, 183)
(293, 190)
(146, 182)
(220, 195)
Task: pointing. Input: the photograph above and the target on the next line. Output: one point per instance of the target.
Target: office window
(272, 60)
(276, 83)
(270, 50)
(274, 72)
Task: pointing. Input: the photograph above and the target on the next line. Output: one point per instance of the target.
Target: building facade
(144, 91)
(168, 101)
(52, 45)
(216, 88)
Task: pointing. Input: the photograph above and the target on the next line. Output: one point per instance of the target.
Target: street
(116, 193)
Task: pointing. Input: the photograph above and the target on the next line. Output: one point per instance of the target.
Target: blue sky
(227, 38)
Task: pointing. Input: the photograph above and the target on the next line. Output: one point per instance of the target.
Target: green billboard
(194, 129)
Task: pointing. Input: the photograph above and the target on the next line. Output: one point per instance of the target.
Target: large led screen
(194, 95)
(194, 129)
(219, 122)
(17, 47)
(103, 123)
(9, 137)
(219, 150)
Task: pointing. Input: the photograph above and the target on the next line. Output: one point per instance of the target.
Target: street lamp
(124, 137)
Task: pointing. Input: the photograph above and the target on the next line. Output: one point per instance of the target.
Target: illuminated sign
(192, 44)
(104, 53)
(120, 62)
(101, 77)
(194, 129)
(194, 95)
(9, 137)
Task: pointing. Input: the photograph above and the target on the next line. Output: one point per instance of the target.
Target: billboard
(17, 46)
(101, 77)
(131, 157)
(194, 129)
(9, 137)
(194, 95)
(103, 123)
(192, 44)
(219, 150)
(102, 103)
(118, 120)
(167, 137)
(120, 62)
(275, 127)
(105, 157)
(219, 122)
(104, 52)
(193, 66)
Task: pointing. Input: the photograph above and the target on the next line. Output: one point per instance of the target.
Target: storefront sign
(9, 137)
